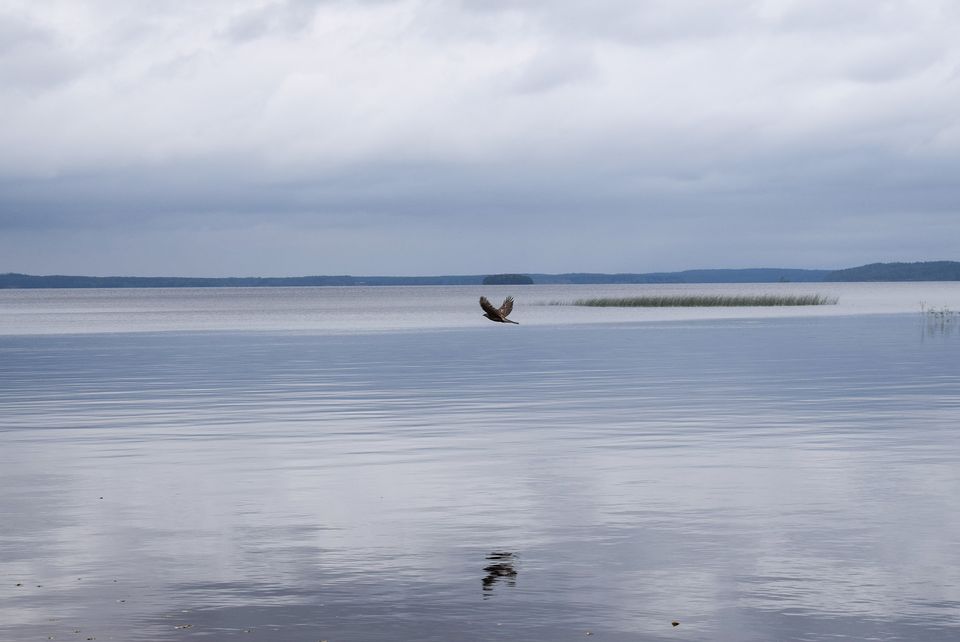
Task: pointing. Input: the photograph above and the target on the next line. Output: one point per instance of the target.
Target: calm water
(353, 464)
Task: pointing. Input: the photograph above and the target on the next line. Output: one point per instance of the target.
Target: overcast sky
(293, 137)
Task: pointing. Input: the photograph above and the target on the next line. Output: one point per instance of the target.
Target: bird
(498, 315)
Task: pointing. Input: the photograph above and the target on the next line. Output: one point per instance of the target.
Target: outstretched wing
(507, 307)
(488, 307)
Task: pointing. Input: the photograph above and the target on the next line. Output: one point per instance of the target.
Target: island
(507, 279)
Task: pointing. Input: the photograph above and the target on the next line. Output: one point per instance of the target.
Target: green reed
(703, 301)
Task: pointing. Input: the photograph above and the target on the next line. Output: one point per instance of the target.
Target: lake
(367, 464)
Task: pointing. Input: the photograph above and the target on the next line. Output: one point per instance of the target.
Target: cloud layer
(383, 137)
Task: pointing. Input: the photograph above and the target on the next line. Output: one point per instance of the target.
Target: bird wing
(507, 307)
(488, 307)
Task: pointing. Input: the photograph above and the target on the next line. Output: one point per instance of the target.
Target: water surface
(759, 478)
(390, 309)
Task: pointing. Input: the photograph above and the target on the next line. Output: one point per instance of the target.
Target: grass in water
(704, 301)
(941, 314)
(940, 320)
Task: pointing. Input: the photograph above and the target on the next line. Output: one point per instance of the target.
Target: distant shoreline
(921, 271)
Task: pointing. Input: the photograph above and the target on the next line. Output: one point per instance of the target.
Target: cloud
(553, 69)
(282, 19)
(31, 56)
(437, 116)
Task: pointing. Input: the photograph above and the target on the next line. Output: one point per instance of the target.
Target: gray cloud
(281, 18)
(31, 56)
(604, 135)
(553, 69)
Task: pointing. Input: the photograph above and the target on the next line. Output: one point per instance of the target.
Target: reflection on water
(500, 568)
(758, 479)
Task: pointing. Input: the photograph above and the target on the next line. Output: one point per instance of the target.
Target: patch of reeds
(940, 320)
(703, 301)
(939, 314)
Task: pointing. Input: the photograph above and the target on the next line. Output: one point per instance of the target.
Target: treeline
(61, 281)
(927, 271)
(749, 275)
(13, 280)
(507, 279)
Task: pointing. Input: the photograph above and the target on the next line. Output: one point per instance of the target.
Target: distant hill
(922, 271)
(929, 271)
(750, 275)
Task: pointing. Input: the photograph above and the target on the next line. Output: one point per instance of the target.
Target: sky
(416, 137)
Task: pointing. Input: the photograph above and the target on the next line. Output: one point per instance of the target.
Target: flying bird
(500, 316)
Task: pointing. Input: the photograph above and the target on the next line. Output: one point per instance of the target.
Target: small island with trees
(507, 279)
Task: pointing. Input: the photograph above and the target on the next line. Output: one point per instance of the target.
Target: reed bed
(941, 320)
(941, 314)
(703, 301)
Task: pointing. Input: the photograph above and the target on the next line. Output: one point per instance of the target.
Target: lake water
(367, 464)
